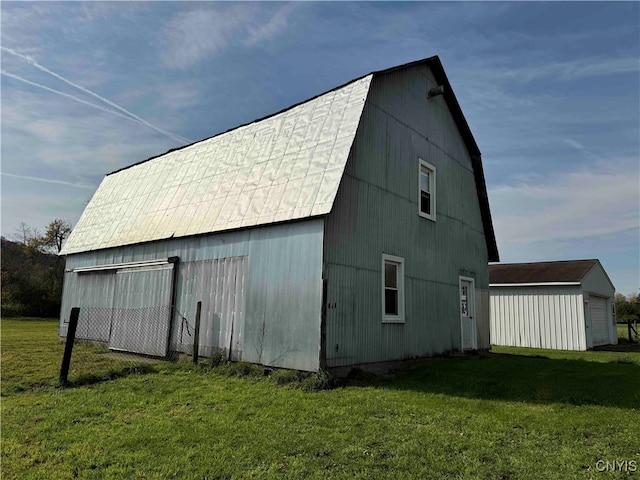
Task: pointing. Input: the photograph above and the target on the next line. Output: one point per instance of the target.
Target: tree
(51, 242)
(57, 232)
(27, 236)
(627, 311)
(31, 281)
(620, 298)
(32, 271)
(23, 233)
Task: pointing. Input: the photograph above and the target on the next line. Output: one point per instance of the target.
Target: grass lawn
(513, 414)
(623, 332)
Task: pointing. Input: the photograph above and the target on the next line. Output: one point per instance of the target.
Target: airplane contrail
(58, 92)
(47, 180)
(93, 94)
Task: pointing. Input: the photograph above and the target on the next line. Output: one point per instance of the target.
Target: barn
(348, 229)
(564, 305)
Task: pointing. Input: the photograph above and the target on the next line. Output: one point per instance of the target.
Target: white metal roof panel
(284, 167)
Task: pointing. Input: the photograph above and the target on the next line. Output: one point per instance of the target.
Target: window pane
(390, 275)
(424, 181)
(425, 203)
(390, 301)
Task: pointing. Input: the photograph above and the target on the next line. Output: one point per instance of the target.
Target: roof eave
(437, 69)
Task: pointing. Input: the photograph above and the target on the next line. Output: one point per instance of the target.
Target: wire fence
(106, 343)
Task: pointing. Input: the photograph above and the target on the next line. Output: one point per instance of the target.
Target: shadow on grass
(623, 346)
(79, 380)
(106, 376)
(540, 380)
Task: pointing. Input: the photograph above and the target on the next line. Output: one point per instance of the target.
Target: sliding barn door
(142, 310)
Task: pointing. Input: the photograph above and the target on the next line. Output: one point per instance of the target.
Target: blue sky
(551, 92)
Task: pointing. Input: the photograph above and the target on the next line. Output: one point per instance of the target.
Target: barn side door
(142, 310)
(468, 314)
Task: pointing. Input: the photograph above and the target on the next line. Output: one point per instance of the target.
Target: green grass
(623, 333)
(514, 414)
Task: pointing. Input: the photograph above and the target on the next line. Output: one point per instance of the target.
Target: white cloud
(572, 70)
(48, 180)
(171, 96)
(193, 36)
(51, 138)
(119, 108)
(276, 24)
(597, 200)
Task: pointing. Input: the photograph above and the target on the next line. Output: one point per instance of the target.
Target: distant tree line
(627, 308)
(32, 271)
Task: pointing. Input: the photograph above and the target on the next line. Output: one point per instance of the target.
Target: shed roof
(283, 167)
(572, 271)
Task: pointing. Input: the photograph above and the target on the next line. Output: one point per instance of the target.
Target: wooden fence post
(68, 346)
(196, 334)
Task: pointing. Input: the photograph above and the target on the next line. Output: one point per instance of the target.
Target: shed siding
(376, 212)
(282, 287)
(538, 317)
(597, 283)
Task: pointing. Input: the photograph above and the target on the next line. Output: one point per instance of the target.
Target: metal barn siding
(142, 310)
(219, 285)
(538, 317)
(281, 288)
(97, 292)
(376, 212)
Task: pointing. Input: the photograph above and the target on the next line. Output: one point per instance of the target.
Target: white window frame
(399, 261)
(432, 189)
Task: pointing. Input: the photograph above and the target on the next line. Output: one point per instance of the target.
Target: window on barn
(392, 289)
(427, 190)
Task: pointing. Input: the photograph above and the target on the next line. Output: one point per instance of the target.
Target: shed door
(599, 328)
(467, 314)
(142, 310)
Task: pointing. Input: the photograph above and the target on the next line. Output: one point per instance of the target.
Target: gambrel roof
(284, 167)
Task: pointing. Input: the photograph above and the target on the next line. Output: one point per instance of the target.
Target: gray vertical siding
(142, 315)
(280, 288)
(96, 292)
(219, 285)
(376, 212)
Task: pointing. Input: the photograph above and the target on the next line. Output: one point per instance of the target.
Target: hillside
(31, 281)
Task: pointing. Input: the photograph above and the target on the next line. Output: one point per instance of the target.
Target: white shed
(565, 305)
